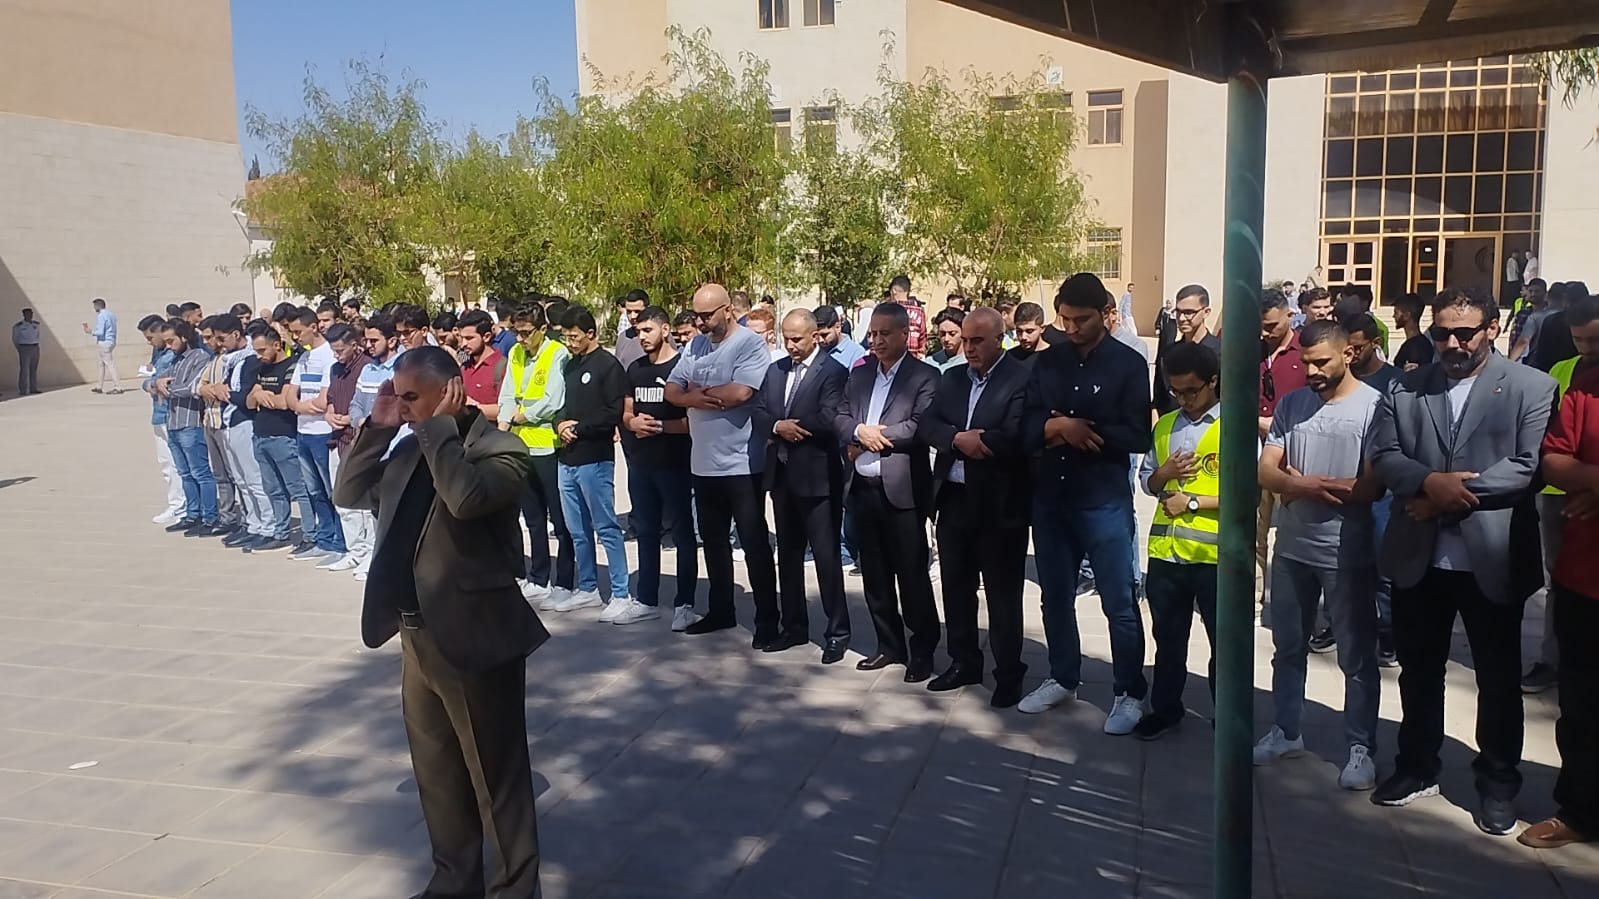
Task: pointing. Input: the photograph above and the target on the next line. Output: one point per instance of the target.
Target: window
(818, 12)
(774, 14)
(782, 130)
(1105, 252)
(821, 129)
(1104, 118)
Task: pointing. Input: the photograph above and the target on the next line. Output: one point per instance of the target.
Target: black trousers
(663, 503)
(812, 521)
(892, 550)
(737, 500)
(468, 739)
(1424, 618)
(969, 548)
(1173, 590)
(541, 501)
(1577, 731)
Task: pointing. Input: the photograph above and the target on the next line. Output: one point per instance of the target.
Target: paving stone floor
(180, 720)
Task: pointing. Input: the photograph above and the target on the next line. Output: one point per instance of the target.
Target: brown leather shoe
(1550, 833)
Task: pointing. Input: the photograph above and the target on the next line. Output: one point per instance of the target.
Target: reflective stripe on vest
(1562, 373)
(530, 385)
(1192, 536)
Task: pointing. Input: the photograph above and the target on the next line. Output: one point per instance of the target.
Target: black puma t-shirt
(647, 386)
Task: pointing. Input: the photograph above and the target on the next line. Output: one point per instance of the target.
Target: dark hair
(476, 320)
(955, 295)
(1319, 332)
(226, 324)
(949, 315)
(1004, 303)
(174, 310)
(97, 303)
(826, 316)
(902, 318)
(240, 309)
(555, 311)
(407, 314)
(1582, 312)
(304, 316)
(189, 307)
(1576, 290)
(532, 313)
(341, 332)
(1413, 305)
(684, 318)
(259, 328)
(579, 318)
(635, 295)
(1193, 290)
(445, 321)
(1083, 290)
(1188, 358)
(1452, 297)
(902, 282)
(1272, 298)
(433, 362)
(1349, 306)
(328, 306)
(1540, 282)
(282, 312)
(1029, 312)
(382, 323)
(1357, 323)
(351, 302)
(151, 321)
(503, 310)
(183, 329)
(654, 314)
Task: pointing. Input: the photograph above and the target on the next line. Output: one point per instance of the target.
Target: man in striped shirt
(186, 432)
(308, 401)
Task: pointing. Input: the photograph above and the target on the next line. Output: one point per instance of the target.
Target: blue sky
(478, 58)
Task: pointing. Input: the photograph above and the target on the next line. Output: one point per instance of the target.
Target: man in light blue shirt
(830, 334)
(104, 333)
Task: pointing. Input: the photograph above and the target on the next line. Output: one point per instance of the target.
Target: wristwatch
(1193, 504)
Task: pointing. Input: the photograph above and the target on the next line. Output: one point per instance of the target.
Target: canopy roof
(1213, 38)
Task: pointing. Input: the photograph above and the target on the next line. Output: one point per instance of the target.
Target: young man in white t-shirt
(322, 540)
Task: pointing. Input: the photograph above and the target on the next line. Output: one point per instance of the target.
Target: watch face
(1193, 504)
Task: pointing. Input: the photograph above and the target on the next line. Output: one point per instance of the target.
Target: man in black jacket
(983, 493)
(444, 573)
(805, 475)
(891, 486)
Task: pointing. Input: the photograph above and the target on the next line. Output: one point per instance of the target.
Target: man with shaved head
(443, 577)
(983, 497)
(805, 474)
(718, 380)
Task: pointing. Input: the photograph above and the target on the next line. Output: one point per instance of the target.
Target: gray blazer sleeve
(1402, 474)
(1505, 482)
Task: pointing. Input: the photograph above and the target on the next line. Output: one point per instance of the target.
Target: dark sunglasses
(706, 316)
(1462, 336)
(1268, 385)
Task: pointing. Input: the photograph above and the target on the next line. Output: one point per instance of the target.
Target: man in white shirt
(25, 337)
(322, 540)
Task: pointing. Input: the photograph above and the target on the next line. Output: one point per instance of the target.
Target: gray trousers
(230, 512)
(1295, 589)
(1552, 525)
(246, 474)
(27, 368)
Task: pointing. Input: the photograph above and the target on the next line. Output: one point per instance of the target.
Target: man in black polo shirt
(1089, 414)
(276, 448)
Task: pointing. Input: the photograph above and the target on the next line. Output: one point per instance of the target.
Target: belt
(411, 621)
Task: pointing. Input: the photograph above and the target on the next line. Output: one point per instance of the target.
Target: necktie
(793, 385)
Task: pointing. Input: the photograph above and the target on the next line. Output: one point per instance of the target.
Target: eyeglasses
(404, 332)
(1462, 336)
(1190, 393)
(1185, 313)
(706, 316)
(525, 333)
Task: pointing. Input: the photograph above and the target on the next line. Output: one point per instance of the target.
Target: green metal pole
(1240, 486)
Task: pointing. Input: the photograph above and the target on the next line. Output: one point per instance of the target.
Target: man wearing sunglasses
(1457, 442)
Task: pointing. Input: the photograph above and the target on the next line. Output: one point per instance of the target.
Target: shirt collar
(981, 380)
(1209, 415)
(810, 360)
(892, 369)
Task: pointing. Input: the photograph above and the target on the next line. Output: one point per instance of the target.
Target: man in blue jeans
(596, 391)
(276, 449)
(1088, 415)
(308, 397)
(186, 432)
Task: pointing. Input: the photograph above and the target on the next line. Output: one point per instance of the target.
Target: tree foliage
(981, 172)
(1572, 70)
(838, 239)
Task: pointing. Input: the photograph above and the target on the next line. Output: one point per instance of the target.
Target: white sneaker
(341, 563)
(168, 517)
(738, 554)
(1276, 745)
(613, 608)
(1044, 697)
(1361, 772)
(580, 599)
(682, 617)
(634, 611)
(360, 575)
(552, 600)
(1125, 713)
(533, 592)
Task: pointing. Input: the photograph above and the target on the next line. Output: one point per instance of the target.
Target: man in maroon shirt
(349, 360)
(1571, 462)
(482, 366)
(1281, 373)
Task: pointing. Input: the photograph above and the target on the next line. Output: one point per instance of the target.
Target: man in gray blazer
(1457, 442)
(891, 489)
(449, 551)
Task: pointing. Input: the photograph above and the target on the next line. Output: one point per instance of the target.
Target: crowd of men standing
(1401, 493)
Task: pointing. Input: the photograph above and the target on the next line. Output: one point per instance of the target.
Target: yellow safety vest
(1562, 372)
(530, 386)
(1192, 536)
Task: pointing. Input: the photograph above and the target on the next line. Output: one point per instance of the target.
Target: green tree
(349, 166)
(985, 194)
(838, 238)
(1572, 70)
(666, 183)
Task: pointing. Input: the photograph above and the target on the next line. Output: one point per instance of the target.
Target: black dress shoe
(1497, 817)
(1005, 695)
(710, 624)
(955, 678)
(833, 652)
(918, 670)
(876, 662)
(760, 641)
(1153, 727)
(785, 640)
(182, 524)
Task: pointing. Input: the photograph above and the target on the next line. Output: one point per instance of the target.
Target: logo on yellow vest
(1210, 464)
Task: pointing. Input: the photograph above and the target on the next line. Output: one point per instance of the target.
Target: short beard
(1461, 366)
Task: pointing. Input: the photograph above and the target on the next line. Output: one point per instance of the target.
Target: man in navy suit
(805, 476)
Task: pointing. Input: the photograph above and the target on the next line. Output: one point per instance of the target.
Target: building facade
(121, 164)
(1402, 181)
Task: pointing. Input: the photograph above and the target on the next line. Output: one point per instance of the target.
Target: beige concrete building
(119, 165)
(1152, 142)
